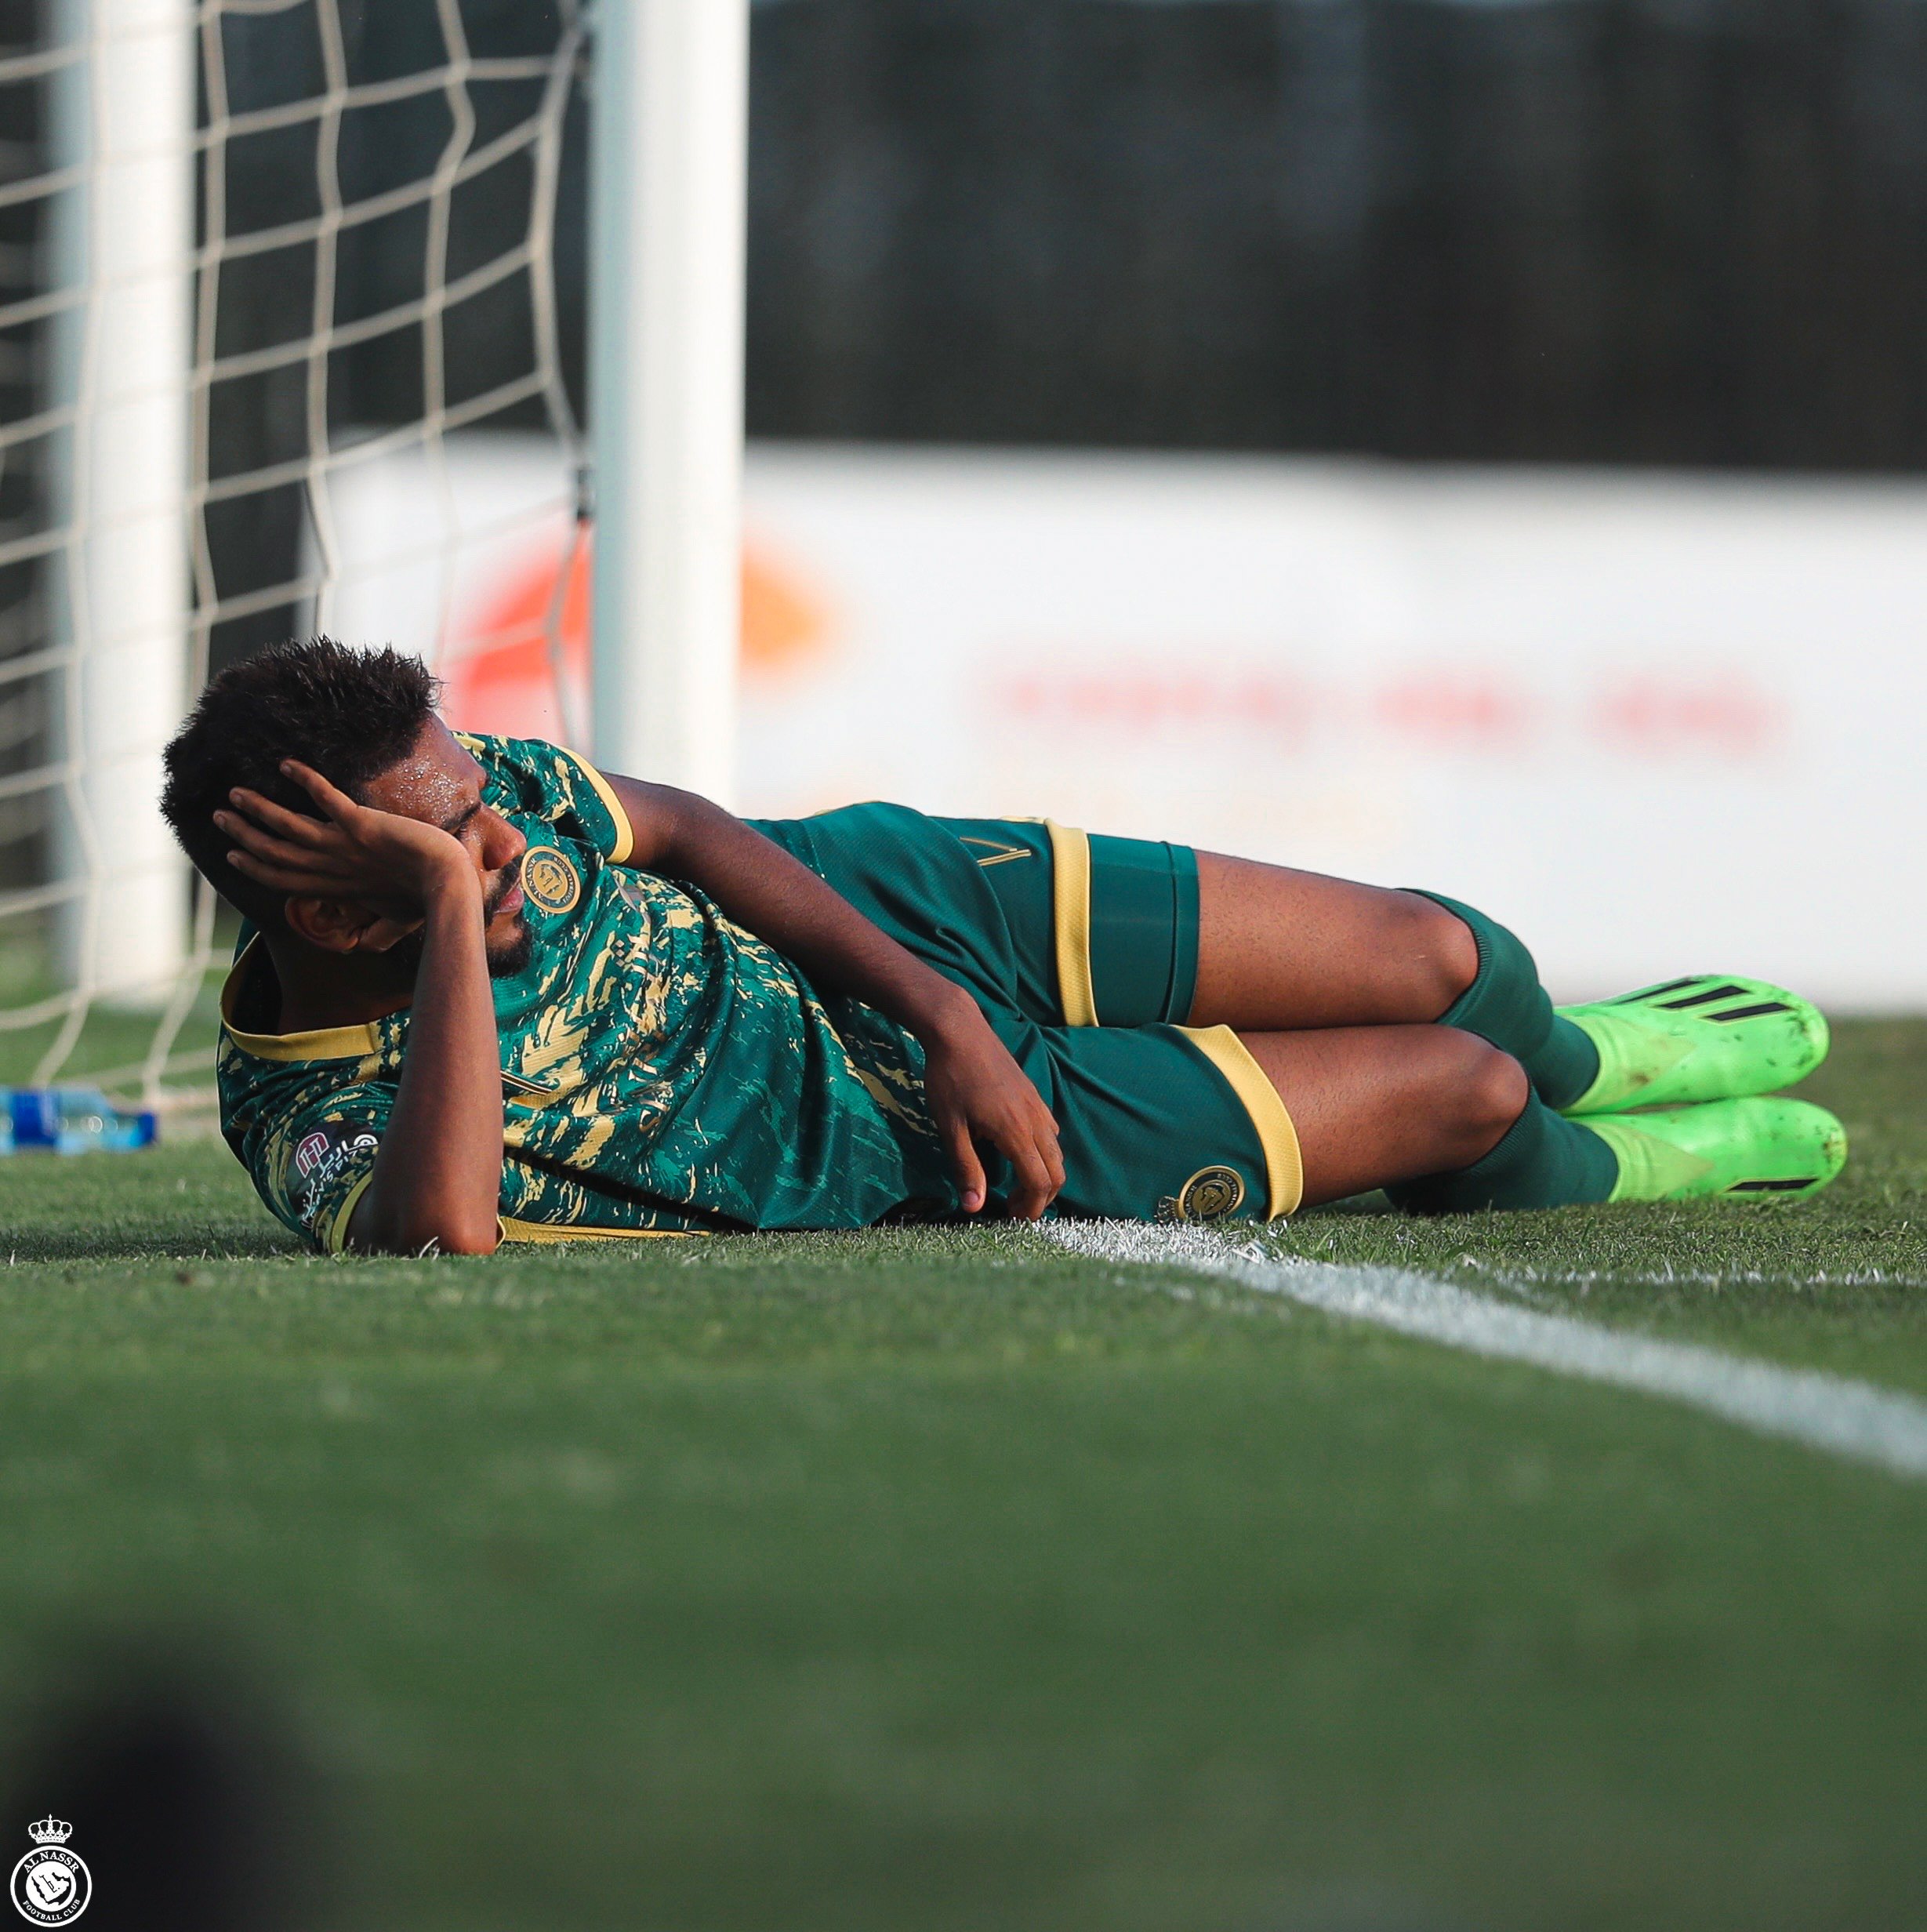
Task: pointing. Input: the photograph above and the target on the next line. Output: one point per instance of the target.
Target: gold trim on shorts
(1284, 1166)
(1070, 920)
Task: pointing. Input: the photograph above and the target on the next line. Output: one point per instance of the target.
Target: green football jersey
(662, 1070)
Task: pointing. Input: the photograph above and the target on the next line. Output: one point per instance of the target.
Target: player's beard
(512, 955)
(506, 957)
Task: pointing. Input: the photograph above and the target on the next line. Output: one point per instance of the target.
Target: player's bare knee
(1488, 1091)
(1438, 956)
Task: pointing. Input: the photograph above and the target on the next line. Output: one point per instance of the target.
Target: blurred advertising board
(1660, 724)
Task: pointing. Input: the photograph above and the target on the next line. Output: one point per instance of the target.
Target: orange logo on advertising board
(501, 664)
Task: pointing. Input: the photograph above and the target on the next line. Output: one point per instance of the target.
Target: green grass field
(945, 1580)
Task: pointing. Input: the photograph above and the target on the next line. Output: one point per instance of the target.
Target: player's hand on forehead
(350, 851)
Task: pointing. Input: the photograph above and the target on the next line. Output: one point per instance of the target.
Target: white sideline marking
(1832, 1412)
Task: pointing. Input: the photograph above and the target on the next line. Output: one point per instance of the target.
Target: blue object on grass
(69, 1120)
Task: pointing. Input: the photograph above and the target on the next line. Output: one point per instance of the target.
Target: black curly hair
(350, 714)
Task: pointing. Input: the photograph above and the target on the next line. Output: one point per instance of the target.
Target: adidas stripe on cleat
(1710, 1037)
(1764, 1148)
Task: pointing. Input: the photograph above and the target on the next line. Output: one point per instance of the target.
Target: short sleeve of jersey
(318, 1159)
(548, 782)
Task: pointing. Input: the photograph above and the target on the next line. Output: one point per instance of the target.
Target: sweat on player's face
(335, 850)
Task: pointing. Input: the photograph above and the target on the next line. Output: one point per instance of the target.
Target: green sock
(1543, 1161)
(1506, 1005)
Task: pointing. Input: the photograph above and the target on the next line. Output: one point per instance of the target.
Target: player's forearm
(438, 1173)
(767, 892)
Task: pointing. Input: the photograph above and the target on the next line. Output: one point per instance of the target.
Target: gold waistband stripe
(1070, 915)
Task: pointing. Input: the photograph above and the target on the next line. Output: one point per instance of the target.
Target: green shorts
(1082, 952)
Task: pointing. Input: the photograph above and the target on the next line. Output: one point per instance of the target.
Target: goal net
(266, 264)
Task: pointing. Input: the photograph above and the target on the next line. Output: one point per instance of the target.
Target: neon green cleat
(1757, 1149)
(1705, 1038)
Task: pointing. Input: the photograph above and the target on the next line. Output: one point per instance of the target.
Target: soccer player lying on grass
(494, 994)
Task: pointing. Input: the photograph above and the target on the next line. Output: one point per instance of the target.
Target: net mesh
(365, 274)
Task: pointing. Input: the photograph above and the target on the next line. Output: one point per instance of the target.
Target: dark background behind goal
(1620, 231)
(1660, 232)
(1645, 231)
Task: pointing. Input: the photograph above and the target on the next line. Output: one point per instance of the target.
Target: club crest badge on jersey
(549, 879)
(1209, 1195)
(51, 1885)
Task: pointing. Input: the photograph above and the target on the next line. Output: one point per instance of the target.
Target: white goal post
(150, 103)
(671, 130)
(120, 129)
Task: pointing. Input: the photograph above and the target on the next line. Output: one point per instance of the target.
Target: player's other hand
(351, 852)
(980, 1098)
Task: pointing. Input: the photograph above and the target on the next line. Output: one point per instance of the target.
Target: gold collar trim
(328, 1043)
